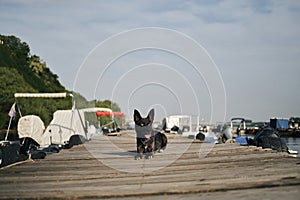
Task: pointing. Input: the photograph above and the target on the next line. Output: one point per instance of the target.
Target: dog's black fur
(148, 141)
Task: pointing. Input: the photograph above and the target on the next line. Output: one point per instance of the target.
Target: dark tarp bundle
(9, 153)
(268, 138)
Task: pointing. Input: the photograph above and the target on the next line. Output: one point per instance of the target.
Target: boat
(67, 128)
(30, 130)
(110, 128)
(187, 126)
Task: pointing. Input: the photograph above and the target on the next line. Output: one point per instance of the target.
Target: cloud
(251, 41)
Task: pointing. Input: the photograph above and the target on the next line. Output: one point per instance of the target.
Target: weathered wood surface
(105, 168)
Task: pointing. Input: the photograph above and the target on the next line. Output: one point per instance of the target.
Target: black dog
(147, 140)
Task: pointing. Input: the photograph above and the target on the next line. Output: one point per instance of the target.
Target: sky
(248, 53)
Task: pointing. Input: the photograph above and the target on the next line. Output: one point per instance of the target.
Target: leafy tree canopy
(22, 72)
(108, 104)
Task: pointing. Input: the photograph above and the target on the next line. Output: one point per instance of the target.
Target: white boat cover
(177, 120)
(31, 126)
(64, 124)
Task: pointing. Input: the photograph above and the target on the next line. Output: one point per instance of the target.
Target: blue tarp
(241, 140)
(209, 139)
(279, 123)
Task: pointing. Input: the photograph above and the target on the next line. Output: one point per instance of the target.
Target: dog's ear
(151, 115)
(136, 115)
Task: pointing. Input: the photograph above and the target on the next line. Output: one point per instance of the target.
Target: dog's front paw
(138, 157)
(160, 151)
(149, 157)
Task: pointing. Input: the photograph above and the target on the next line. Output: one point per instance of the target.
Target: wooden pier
(105, 168)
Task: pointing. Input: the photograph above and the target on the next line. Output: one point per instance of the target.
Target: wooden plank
(104, 167)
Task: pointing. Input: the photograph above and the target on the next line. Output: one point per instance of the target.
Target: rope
(17, 163)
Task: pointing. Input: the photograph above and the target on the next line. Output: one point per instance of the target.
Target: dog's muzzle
(148, 136)
(143, 131)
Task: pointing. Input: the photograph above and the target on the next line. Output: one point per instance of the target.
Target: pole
(8, 129)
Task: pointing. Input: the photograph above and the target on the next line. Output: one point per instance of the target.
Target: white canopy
(43, 95)
(96, 109)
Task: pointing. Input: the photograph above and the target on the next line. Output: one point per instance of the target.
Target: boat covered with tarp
(67, 128)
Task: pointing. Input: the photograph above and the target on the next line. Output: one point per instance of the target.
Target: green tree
(36, 65)
(21, 72)
(11, 82)
(108, 104)
(14, 52)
